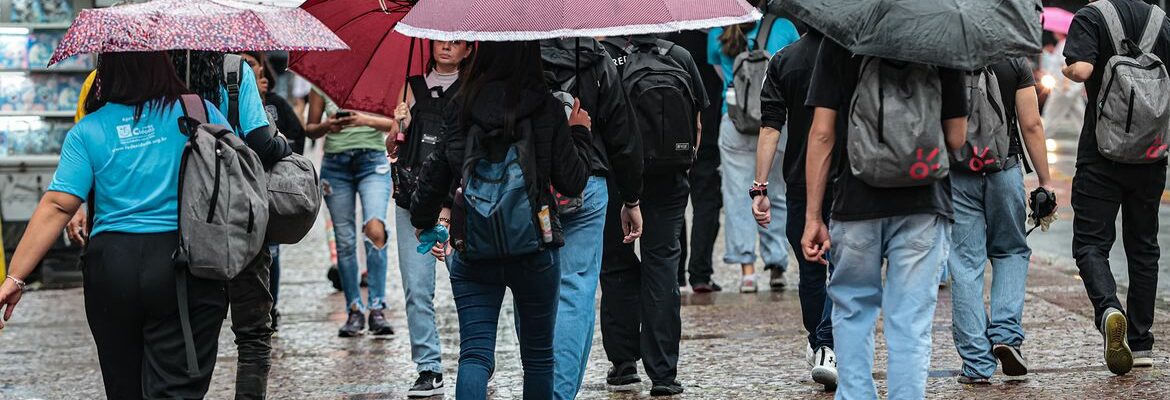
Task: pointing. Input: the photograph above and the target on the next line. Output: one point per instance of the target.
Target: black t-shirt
(782, 101)
(1013, 75)
(834, 79)
(1089, 41)
(287, 121)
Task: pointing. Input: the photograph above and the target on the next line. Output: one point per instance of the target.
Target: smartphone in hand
(342, 114)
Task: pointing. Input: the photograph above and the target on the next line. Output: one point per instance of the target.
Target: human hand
(815, 242)
(391, 147)
(441, 251)
(76, 229)
(579, 117)
(762, 210)
(631, 223)
(402, 112)
(10, 294)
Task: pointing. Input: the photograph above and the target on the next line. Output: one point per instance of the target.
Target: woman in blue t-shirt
(737, 153)
(125, 154)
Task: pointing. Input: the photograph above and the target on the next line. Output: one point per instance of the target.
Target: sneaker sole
(385, 332)
(414, 394)
(1143, 362)
(1011, 364)
(748, 290)
(629, 387)
(824, 375)
(348, 335)
(1118, 357)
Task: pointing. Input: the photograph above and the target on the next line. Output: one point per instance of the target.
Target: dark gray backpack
(988, 141)
(223, 198)
(1133, 108)
(895, 134)
(747, 80)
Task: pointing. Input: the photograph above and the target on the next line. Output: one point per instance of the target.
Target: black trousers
(132, 308)
(1099, 190)
(640, 298)
(816, 309)
(706, 202)
(251, 311)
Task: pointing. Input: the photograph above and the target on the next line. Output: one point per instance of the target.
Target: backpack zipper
(1129, 114)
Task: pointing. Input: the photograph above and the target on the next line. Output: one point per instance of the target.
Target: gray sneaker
(1143, 359)
(1010, 359)
(966, 380)
(354, 325)
(1118, 357)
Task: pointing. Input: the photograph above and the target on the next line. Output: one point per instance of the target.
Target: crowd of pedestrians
(548, 168)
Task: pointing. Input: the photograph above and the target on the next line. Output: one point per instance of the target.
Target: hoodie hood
(560, 53)
(489, 110)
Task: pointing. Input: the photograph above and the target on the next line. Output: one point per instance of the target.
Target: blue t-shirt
(783, 33)
(252, 114)
(132, 167)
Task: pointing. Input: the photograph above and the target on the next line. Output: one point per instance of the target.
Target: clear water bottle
(729, 97)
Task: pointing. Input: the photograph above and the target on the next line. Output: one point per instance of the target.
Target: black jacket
(616, 144)
(552, 138)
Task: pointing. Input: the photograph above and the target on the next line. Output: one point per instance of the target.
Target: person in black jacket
(506, 80)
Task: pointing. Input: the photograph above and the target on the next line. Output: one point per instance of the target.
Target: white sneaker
(1143, 359)
(748, 284)
(825, 367)
(809, 355)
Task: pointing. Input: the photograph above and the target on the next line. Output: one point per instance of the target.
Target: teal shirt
(783, 33)
(133, 167)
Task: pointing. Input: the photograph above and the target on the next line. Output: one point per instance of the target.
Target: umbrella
(1057, 19)
(518, 20)
(370, 74)
(965, 35)
(211, 25)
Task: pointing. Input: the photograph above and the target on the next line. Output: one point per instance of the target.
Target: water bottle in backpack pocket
(1133, 107)
(988, 140)
(895, 125)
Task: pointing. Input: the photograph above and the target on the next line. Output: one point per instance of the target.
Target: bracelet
(634, 204)
(446, 220)
(19, 283)
(758, 184)
(757, 192)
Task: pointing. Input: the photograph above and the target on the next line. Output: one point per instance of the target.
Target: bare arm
(956, 132)
(766, 152)
(1032, 128)
(698, 130)
(822, 136)
(314, 127)
(1079, 71)
(45, 226)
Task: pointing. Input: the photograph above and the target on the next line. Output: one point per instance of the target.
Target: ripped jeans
(364, 174)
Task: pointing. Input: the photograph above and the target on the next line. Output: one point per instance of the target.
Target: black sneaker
(379, 326)
(706, 287)
(334, 276)
(428, 384)
(623, 378)
(353, 325)
(776, 278)
(1010, 359)
(1118, 357)
(666, 389)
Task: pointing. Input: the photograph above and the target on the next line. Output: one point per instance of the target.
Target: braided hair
(206, 72)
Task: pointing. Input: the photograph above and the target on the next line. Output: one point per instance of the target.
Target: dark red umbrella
(369, 75)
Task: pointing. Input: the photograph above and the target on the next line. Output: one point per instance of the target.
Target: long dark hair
(206, 72)
(138, 79)
(517, 64)
(734, 38)
(463, 65)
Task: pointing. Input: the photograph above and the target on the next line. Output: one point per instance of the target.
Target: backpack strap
(194, 108)
(765, 31)
(418, 86)
(231, 81)
(1112, 23)
(1153, 27)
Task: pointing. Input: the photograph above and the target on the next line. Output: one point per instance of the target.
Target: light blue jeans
(915, 247)
(580, 265)
(418, 281)
(990, 212)
(737, 154)
(349, 176)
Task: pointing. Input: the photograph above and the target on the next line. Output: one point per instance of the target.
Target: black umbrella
(960, 34)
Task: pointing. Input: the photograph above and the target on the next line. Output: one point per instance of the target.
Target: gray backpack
(747, 81)
(223, 198)
(1133, 108)
(988, 141)
(895, 134)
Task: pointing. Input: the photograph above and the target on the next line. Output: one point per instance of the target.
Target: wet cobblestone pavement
(735, 346)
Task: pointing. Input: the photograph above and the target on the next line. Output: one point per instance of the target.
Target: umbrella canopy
(211, 25)
(964, 35)
(516, 20)
(369, 75)
(1057, 19)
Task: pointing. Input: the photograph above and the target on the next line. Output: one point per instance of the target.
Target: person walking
(782, 105)
(505, 106)
(424, 100)
(990, 212)
(355, 168)
(125, 155)
(907, 226)
(607, 213)
(668, 118)
(1103, 186)
(737, 153)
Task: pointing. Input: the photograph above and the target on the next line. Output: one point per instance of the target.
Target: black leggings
(133, 312)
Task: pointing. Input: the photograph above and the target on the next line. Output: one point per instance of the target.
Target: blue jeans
(347, 176)
(738, 157)
(580, 265)
(990, 212)
(478, 288)
(418, 281)
(915, 247)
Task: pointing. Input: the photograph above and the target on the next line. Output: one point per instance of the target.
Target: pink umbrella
(1057, 19)
(212, 25)
(514, 20)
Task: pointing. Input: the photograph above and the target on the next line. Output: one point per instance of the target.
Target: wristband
(634, 204)
(19, 283)
(757, 192)
(758, 184)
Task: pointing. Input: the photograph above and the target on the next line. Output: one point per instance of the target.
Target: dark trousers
(640, 299)
(1098, 192)
(133, 311)
(706, 202)
(816, 309)
(478, 288)
(251, 305)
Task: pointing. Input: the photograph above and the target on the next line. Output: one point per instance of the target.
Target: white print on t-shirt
(133, 136)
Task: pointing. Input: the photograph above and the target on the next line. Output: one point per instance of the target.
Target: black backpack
(660, 92)
(422, 137)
